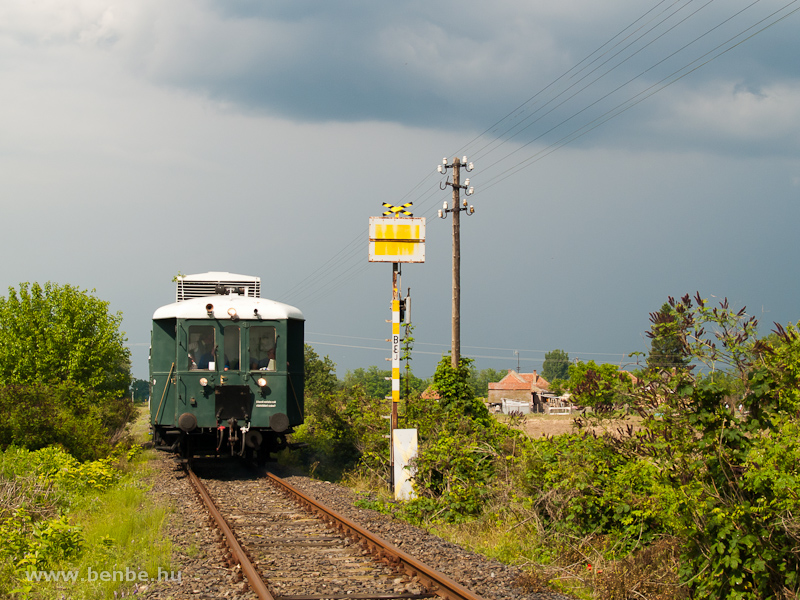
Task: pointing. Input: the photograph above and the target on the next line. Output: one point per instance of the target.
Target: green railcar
(226, 369)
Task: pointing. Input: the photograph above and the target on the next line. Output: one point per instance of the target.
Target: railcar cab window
(262, 348)
(231, 344)
(202, 347)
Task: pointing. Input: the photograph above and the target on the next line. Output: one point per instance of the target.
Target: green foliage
(32, 546)
(667, 349)
(556, 365)
(779, 371)
(374, 382)
(140, 390)
(731, 470)
(59, 333)
(37, 486)
(480, 380)
(454, 470)
(320, 373)
(710, 467)
(36, 416)
(462, 450)
(64, 370)
(411, 385)
(582, 484)
(342, 429)
(457, 395)
(599, 386)
(377, 383)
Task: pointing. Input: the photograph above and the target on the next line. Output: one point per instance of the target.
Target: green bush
(35, 535)
(37, 416)
(583, 484)
(341, 429)
(62, 514)
(462, 453)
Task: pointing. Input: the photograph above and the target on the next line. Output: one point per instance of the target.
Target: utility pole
(455, 346)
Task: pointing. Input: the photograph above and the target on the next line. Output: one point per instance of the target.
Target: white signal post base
(404, 448)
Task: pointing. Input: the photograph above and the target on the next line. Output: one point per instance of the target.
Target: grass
(520, 546)
(122, 532)
(581, 568)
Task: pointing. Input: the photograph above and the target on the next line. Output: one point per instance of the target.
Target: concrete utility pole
(455, 347)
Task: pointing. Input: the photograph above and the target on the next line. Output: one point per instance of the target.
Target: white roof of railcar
(244, 306)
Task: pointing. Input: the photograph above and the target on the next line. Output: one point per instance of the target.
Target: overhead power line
(662, 22)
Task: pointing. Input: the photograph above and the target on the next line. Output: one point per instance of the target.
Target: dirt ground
(539, 425)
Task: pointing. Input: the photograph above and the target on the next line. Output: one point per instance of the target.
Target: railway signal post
(397, 239)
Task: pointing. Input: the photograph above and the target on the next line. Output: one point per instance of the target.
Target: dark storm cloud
(467, 65)
(353, 61)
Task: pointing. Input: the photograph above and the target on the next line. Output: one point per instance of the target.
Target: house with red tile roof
(520, 387)
(430, 394)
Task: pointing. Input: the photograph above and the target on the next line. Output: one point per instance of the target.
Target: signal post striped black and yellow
(398, 210)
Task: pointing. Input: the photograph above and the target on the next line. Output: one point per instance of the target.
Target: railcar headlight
(232, 313)
(262, 382)
(203, 381)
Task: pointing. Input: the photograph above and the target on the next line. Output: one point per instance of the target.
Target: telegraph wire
(433, 191)
(619, 357)
(519, 130)
(637, 30)
(513, 113)
(600, 120)
(312, 287)
(447, 346)
(633, 101)
(311, 296)
(631, 80)
(310, 280)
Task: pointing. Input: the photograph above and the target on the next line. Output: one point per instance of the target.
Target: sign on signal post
(397, 239)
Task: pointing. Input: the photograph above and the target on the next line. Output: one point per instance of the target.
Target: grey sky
(142, 139)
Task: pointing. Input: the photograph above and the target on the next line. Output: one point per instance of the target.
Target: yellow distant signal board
(396, 240)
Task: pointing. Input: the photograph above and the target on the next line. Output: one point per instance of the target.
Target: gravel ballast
(199, 557)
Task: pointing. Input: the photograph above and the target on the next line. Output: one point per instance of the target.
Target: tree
(733, 475)
(372, 381)
(64, 371)
(480, 380)
(599, 386)
(556, 365)
(320, 373)
(667, 350)
(59, 333)
(140, 390)
(456, 393)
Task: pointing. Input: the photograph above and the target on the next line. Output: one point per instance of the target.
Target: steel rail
(438, 582)
(240, 556)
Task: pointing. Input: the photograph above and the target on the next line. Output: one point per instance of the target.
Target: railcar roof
(244, 306)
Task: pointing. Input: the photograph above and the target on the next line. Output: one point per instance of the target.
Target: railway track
(291, 547)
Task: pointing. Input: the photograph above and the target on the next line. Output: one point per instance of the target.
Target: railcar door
(233, 397)
(197, 375)
(266, 354)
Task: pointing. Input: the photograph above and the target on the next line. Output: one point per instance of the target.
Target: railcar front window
(231, 336)
(202, 348)
(262, 348)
